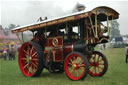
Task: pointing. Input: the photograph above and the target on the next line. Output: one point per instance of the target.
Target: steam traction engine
(66, 44)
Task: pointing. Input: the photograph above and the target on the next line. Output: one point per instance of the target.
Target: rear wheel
(31, 59)
(98, 64)
(76, 66)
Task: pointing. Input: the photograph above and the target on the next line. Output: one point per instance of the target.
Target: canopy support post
(66, 28)
(108, 25)
(111, 26)
(18, 38)
(33, 33)
(92, 25)
(79, 29)
(96, 25)
(22, 37)
(45, 32)
(57, 30)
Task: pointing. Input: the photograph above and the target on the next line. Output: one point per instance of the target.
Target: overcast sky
(22, 12)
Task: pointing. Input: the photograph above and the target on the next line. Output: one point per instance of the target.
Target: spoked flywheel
(31, 59)
(76, 66)
(98, 64)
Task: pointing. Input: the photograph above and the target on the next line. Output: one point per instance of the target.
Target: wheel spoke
(26, 65)
(34, 54)
(80, 61)
(100, 67)
(81, 68)
(69, 67)
(70, 63)
(98, 58)
(24, 59)
(77, 73)
(74, 73)
(35, 59)
(28, 49)
(82, 65)
(34, 69)
(95, 70)
(101, 63)
(36, 62)
(25, 52)
(93, 57)
(29, 70)
(34, 65)
(76, 60)
(101, 60)
(31, 50)
(98, 70)
(90, 67)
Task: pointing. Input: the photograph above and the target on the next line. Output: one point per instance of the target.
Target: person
(39, 37)
(5, 53)
(12, 53)
(126, 52)
(104, 45)
(101, 47)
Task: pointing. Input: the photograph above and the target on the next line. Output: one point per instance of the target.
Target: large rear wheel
(76, 66)
(98, 64)
(31, 59)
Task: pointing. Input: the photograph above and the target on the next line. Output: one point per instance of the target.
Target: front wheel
(76, 66)
(98, 64)
(31, 59)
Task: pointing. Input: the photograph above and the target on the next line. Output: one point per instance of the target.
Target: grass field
(117, 73)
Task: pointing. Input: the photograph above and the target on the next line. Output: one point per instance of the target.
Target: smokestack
(79, 7)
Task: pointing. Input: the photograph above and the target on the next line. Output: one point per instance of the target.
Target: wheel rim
(75, 67)
(97, 65)
(28, 60)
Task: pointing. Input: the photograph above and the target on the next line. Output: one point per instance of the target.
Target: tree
(6, 31)
(11, 26)
(115, 29)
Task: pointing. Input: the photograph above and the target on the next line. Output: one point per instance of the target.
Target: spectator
(5, 53)
(126, 53)
(12, 53)
(104, 45)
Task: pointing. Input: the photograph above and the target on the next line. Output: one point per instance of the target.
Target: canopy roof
(72, 17)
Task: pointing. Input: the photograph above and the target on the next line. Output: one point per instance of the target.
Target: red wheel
(31, 59)
(98, 64)
(76, 66)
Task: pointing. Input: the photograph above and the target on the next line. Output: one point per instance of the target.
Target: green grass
(117, 73)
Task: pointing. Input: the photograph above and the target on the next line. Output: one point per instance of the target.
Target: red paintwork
(50, 44)
(68, 49)
(60, 51)
(74, 66)
(27, 49)
(57, 50)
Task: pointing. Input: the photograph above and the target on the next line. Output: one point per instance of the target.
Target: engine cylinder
(79, 46)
